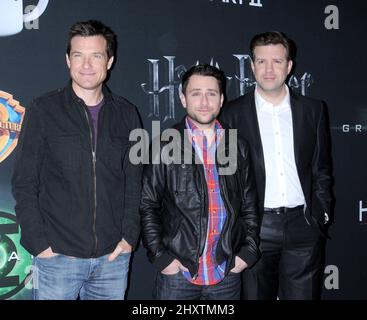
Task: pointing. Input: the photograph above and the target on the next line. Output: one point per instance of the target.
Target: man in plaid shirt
(200, 222)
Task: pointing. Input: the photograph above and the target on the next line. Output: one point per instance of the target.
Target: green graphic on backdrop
(15, 261)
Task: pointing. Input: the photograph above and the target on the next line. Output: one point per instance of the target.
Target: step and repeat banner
(157, 41)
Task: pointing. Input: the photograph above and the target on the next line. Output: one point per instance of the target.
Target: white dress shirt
(282, 185)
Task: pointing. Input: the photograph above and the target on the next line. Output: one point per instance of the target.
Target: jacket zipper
(94, 202)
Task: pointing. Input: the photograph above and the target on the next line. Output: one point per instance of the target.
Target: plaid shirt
(209, 272)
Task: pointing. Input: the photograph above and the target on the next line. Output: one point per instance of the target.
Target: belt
(282, 210)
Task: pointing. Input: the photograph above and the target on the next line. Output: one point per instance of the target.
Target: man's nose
(86, 63)
(204, 100)
(269, 66)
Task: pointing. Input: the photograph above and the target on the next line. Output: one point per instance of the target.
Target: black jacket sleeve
(150, 211)
(26, 182)
(132, 188)
(249, 216)
(321, 169)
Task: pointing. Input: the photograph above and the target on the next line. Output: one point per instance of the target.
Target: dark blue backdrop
(161, 38)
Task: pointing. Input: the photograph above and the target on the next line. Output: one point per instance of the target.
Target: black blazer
(311, 148)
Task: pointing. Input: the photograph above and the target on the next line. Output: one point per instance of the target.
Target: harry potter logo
(155, 91)
(244, 80)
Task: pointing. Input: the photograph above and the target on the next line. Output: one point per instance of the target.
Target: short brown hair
(93, 28)
(204, 70)
(267, 38)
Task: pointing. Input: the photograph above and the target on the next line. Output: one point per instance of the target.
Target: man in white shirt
(289, 139)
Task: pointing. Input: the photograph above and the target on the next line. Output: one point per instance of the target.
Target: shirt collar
(266, 106)
(194, 131)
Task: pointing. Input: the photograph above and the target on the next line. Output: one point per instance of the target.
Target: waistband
(283, 210)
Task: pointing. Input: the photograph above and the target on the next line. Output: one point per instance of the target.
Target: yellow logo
(11, 118)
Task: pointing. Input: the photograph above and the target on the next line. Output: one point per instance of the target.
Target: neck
(274, 97)
(208, 131)
(209, 127)
(90, 97)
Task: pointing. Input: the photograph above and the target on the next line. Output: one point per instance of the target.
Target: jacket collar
(73, 98)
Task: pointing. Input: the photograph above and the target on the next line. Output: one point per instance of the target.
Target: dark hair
(93, 28)
(267, 38)
(203, 70)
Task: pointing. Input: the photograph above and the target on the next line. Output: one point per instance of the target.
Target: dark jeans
(291, 266)
(176, 287)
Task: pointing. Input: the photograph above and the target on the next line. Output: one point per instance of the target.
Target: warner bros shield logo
(11, 118)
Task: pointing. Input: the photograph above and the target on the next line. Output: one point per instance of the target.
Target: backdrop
(158, 40)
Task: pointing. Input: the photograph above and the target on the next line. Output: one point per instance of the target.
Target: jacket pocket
(178, 180)
(172, 225)
(65, 151)
(117, 150)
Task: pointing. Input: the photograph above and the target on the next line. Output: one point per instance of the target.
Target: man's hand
(174, 267)
(122, 247)
(240, 265)
(48, 253)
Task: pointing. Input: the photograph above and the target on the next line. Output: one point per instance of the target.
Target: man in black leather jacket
(199, 213)
(78, 218)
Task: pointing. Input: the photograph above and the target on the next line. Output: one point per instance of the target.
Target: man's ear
(183, 100)
(252, 66)
(110, 62)
(290, 65)
(67, 60)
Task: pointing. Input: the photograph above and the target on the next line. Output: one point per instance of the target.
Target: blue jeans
(65, 278)
(176, 287)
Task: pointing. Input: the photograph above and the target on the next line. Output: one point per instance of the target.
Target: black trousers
(292, 262)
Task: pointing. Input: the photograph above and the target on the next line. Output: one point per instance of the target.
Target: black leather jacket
(71, 195)
(174, 210)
